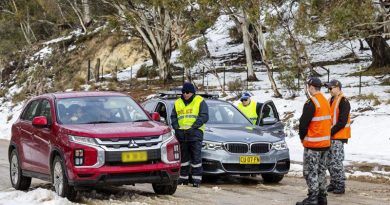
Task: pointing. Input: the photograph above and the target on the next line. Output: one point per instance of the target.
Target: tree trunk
(380, 51)
(86, 12)
(247, 46)
(163, 67)
(261, 46)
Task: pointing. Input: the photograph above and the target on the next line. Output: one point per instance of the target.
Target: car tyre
(18, 181)
(165, 189)
(272, 177)
(60, 180)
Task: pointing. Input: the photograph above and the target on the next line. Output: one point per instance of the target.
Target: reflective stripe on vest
(187, 115)
(318, 135)
(345, 132)
(249, 110)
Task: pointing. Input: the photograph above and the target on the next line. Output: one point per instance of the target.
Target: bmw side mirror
(156, 116)
(269, 121)
(40, 122)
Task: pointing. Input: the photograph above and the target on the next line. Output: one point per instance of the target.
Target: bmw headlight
(281, 145)
(82, 140)
(168, 135)
(208, 145)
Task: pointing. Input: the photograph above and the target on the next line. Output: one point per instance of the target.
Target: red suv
(81, 139)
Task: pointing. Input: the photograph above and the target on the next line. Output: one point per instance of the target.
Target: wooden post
(360, 80)
(247, 78)
(102, 73)
(203, 79)
(89, 70)
(97, 68)
(224, 77)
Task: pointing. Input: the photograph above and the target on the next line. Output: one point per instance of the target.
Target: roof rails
(174, 94)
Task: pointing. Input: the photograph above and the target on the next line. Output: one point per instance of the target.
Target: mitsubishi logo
(132, 144)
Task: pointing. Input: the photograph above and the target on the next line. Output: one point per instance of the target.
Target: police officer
(189, 115)
(341, 132)
(314, 131)
(249, 107)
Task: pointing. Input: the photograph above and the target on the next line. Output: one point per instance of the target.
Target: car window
(268, 111)
(225, 113)
(149, 106)
(102, 109)
(162, 110)
(31, 111)
(45, 110)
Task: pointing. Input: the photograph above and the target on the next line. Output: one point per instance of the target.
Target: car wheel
(272, 178)
(18, 181)
(165, 189)
(60, 180)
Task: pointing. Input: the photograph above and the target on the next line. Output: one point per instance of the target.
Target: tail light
(170, 151)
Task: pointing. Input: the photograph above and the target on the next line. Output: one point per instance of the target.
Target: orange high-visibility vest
(344, 133)
(318, 135)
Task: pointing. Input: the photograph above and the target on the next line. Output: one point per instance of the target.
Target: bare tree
(153, 22)
(238, 11)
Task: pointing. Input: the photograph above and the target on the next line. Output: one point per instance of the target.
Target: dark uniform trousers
(335, 160)
(191, 154)
(314, 170)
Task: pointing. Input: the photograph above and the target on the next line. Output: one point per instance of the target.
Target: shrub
(370, 97)
(146, 71)
(19, 97)
(3, 92)
(386, 81)
(9, 117)
(236, 87)
(112, 86)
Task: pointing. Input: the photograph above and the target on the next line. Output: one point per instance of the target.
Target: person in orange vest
(341, 132)
(314, 132)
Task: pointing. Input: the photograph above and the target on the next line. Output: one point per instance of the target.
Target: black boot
(330, 188)
(310, 200)
(322, 199)
(195, 184)
(182, 181)
(339, 191)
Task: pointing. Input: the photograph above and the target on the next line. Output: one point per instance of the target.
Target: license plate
(249, 159)
(134, 156)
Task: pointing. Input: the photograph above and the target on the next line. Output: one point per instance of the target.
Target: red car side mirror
(156, 116)
(40, 121)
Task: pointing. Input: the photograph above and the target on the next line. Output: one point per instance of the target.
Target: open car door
(269, 118)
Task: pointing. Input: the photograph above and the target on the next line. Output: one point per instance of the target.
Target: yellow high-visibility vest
(249, 111)
(187, 115)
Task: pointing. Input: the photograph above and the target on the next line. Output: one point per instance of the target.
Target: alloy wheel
(14, 169)
(58, 178)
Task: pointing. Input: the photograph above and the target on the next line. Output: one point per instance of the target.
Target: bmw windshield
(225, 113)
(101, 109)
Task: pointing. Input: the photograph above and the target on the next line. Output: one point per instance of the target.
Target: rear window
(225, 113)
(101, 109)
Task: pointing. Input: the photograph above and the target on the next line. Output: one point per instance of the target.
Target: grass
(386, 81)
(370, 97)
(372, 71)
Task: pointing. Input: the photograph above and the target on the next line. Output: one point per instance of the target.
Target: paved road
(227, 190)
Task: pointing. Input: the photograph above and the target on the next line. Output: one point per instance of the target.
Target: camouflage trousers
(314, 171)
(335, 165)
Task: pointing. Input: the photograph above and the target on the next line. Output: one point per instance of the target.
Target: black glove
(191, 132)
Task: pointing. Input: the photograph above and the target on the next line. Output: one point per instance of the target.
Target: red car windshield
(101, 109)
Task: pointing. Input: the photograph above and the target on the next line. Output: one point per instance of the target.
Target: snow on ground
(34, 197)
